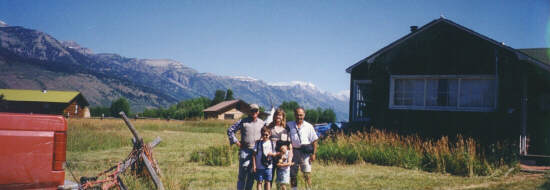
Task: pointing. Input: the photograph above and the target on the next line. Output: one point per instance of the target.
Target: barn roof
(53, 96)
(221, 105)
(521, 55)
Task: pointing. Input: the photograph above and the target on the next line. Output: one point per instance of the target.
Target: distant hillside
(30, 59)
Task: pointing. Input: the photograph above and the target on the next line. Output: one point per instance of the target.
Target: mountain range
(31, 59)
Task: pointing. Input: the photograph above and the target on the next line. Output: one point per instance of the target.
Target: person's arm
(254, 162)
(312, 158)
(313, 139)
(231, 133)
(271, 152)
(291, 153)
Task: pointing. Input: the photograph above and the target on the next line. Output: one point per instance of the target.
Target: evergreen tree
(119, 105)
(229, 95)
(289, 106)
(219, 96)
(99, 111)
(328, 116)
(312, 116)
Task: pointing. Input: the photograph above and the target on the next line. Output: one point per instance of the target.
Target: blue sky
(275, 41)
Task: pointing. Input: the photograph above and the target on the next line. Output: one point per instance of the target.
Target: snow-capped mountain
(31, 59)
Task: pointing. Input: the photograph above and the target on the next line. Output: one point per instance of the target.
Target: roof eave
(524, 57)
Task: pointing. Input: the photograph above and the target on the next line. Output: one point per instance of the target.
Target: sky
(274, 41)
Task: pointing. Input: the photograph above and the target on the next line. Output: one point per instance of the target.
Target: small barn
(445, 79)
(67, 103)
(230, 109)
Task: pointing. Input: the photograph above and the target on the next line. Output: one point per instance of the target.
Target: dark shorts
(264, 174)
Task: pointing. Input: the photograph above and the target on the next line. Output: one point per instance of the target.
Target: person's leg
(250, 179)
(243, 174)
(248, 176)
(267, 185)
(294, 175)
(306, 170)
(268, 178)
(259, 178)
(258, 185)
(273, 170)
(307, 177)
(296, 158)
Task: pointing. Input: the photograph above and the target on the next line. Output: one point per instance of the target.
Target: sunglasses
(265, 135)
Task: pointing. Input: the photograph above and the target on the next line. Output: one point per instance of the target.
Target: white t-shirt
(307, 132)
(267, 147)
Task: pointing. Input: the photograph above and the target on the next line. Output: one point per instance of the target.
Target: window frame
(354, 105)
(391, 104)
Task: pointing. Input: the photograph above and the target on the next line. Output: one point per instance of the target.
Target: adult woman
(280, 134)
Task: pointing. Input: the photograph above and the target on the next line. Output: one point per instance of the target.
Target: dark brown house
(67, 103)
(445, 79)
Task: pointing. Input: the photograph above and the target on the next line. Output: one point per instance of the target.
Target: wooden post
(152, 171)
(131, 161)
(131, 127)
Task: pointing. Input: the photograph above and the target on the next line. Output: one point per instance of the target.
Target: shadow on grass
(546, 184)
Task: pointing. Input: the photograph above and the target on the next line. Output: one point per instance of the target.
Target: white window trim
(442, 108)
(354, 99)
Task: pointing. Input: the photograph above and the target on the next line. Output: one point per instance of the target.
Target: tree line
(192, 109)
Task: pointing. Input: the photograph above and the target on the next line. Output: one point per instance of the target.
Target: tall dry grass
(462, 156)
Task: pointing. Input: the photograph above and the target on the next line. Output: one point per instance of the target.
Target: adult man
(250, 132)
(304, 143)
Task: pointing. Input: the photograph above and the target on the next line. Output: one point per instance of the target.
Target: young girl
(262, 160)
(283, 169)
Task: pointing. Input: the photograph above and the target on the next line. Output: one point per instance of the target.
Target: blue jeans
(246, 176)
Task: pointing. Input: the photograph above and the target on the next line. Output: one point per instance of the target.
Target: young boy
(283, 171)
(261, 160)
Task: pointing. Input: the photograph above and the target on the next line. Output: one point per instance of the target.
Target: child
(283, 171)
(261, 160)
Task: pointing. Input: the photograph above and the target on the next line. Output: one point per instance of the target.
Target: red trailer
(32, 151)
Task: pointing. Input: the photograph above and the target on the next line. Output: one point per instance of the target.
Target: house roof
(519, 54)
(541, 54)
(221, 105)
(53, 96)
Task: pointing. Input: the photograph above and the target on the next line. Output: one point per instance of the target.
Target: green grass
(176, 150)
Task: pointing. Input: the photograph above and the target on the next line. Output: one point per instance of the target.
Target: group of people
(279, 147)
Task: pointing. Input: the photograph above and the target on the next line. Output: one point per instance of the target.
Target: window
(228, 116)
(360, 98)
(443, 92)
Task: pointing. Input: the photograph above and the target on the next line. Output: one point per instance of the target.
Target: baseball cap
(254, 107)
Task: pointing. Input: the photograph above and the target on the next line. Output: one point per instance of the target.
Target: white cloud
(343, 95)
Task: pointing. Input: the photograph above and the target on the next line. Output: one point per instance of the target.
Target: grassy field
(95, 145)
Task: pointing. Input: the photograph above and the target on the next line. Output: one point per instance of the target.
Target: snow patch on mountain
(302, 84)
(244, 78)
(3, 24)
